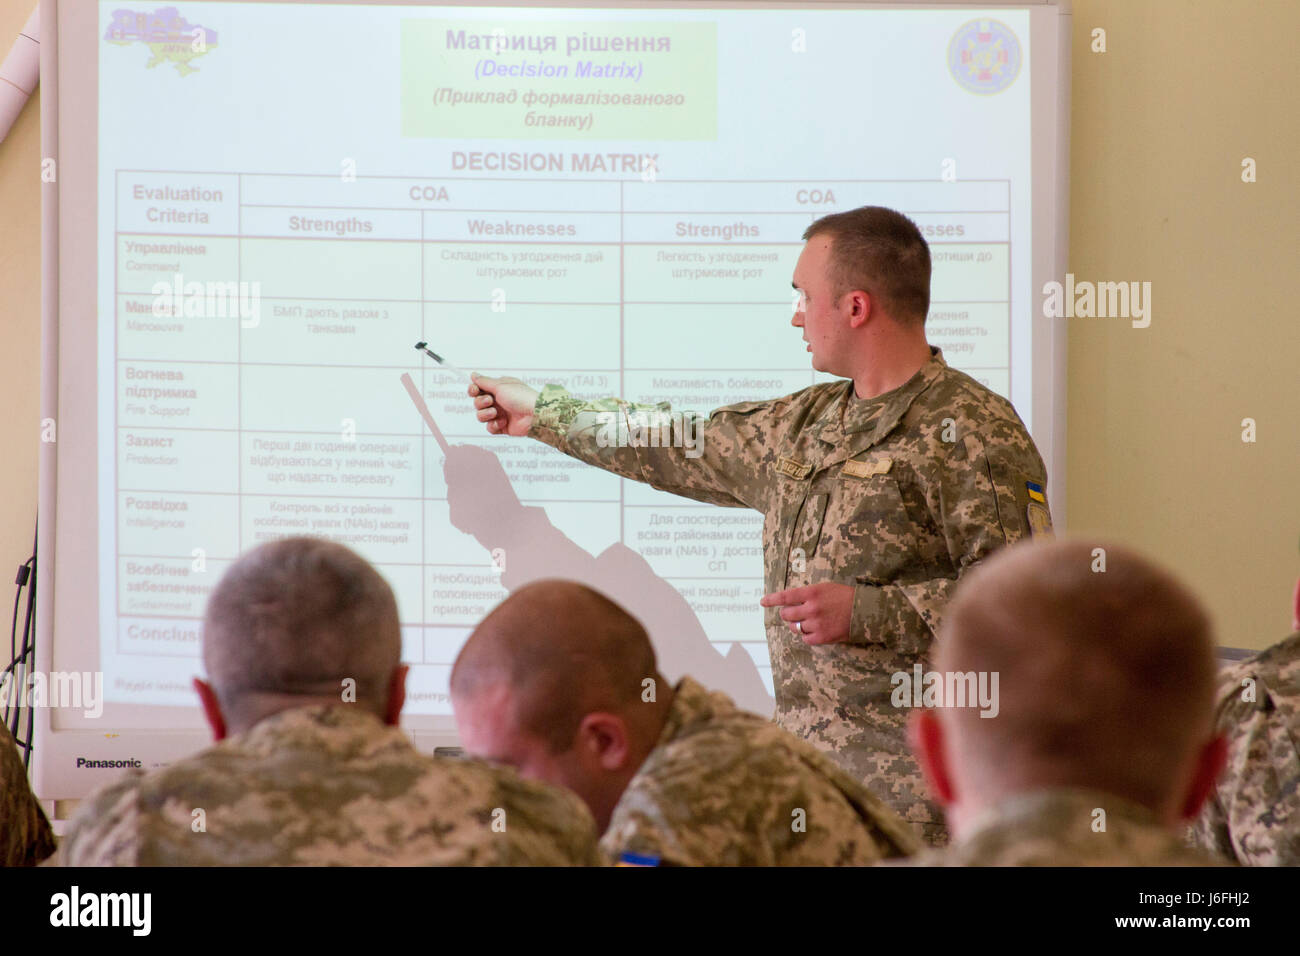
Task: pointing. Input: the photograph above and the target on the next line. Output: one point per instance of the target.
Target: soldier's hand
(819, 613)
(506, 404)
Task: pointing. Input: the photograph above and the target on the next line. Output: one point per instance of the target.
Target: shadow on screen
(483, 503)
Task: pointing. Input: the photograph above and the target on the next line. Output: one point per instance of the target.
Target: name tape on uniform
(866, 469)
(793, 468)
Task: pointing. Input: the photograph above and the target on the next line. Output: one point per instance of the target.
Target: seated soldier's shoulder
(768, 799)
(1266, 682)
(718, 742)
(539, 824)
(376, 802)
(1068, 827)
(1277, 666)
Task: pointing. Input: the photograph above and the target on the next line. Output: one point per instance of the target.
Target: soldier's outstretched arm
(722, 458)
(989, 491)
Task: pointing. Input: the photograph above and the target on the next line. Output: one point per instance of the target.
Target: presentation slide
(291, 196)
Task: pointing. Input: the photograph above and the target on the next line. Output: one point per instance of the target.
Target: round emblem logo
(984, 56)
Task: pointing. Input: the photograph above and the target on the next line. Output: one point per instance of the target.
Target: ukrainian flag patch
(637, 859)
(1035, 492)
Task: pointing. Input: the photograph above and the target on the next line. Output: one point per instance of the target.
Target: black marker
(424, 347)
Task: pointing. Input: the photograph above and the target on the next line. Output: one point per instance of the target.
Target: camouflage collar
(1044, 810)
(313, 721)
(850, 415)
(851, 425)
(693, 703)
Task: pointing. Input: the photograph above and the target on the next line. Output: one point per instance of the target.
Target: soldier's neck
(889, 362)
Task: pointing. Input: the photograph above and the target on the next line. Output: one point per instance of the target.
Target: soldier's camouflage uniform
(1254, 812)
(25, 834)
(727, 787)
(1058, 827)
(897, 496)
(327, 785)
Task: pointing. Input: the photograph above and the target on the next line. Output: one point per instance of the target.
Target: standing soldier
(879, 491)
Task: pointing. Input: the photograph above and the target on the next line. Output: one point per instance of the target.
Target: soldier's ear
(605, 740)
(1295, 607)
(925, 734)
(860, 305)
(396, 695)
(1209, 764)
(211, 708)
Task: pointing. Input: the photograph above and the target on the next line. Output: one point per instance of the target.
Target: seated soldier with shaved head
(561, 683)
(1101, 745)
(301, 644)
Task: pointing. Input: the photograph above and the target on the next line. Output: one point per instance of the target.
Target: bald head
(562, 651)
(1106, 668)
(290, 621)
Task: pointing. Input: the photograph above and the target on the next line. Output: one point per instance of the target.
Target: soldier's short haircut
(564, 650)
(1106, 677)
(298, 617)
(882, 253)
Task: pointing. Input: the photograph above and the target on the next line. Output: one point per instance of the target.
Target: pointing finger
(781, 598)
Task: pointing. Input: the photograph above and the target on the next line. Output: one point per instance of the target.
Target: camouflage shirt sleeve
(634, 835)
(978, 497)
(25, 834)
(716, 459)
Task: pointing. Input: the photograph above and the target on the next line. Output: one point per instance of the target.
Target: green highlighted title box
(559, 80)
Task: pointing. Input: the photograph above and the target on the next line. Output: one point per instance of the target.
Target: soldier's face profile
(817, 312)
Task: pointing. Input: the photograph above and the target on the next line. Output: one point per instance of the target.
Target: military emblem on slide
(984, 56)
(169, 37)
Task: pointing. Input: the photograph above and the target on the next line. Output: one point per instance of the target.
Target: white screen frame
(68, 497)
